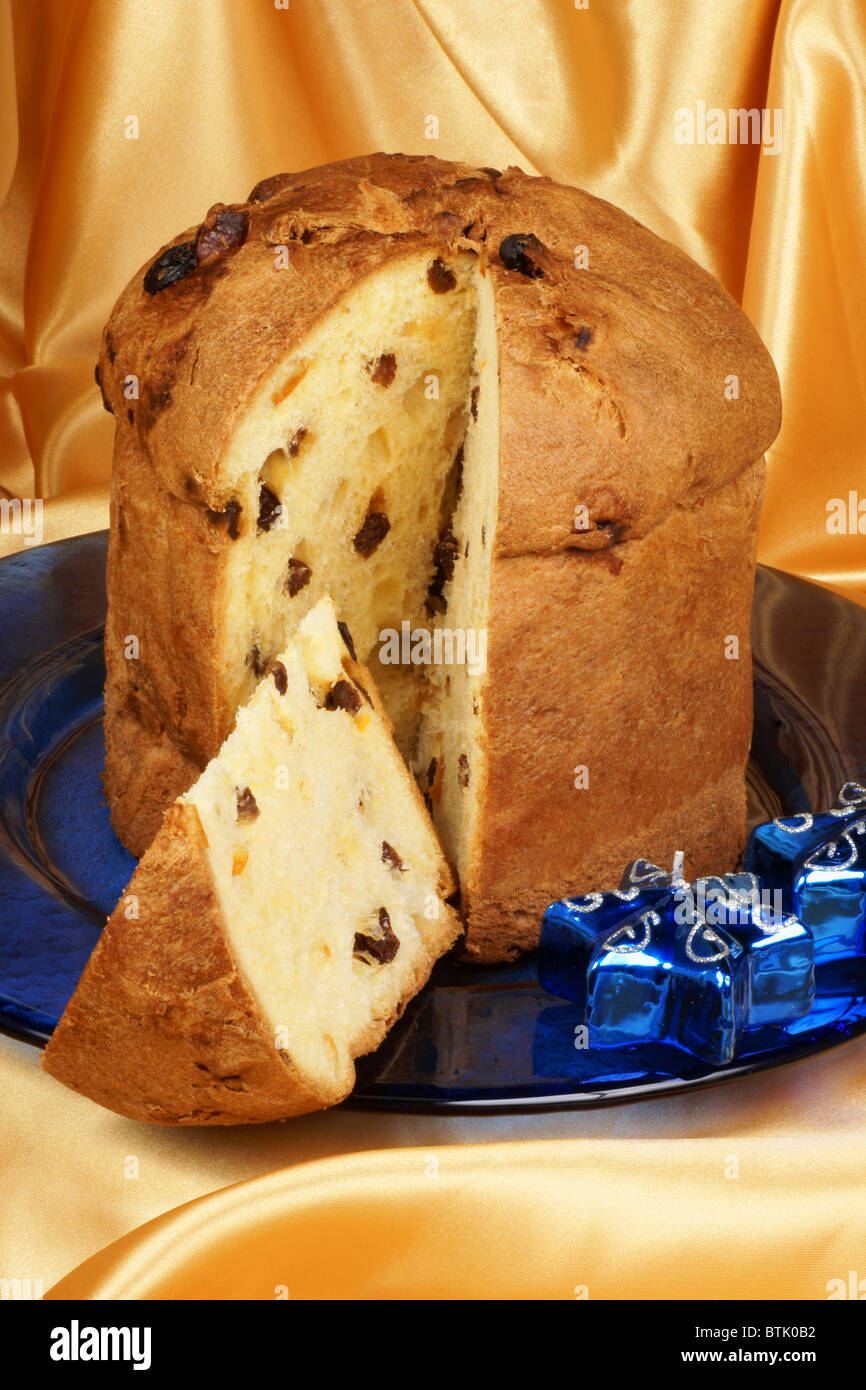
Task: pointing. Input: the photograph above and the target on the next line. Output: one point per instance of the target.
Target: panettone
(460, 401)
(290, 905)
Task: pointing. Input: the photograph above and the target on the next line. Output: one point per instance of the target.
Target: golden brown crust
(646, 686)
(664, 336)
(165, 710)
(161, 1026)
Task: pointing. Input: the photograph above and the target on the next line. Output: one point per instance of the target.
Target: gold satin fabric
(631, 1201)
(227, 91)
(748, 1190)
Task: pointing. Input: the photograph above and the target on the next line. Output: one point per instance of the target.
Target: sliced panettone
(292, 903)
(475, 407)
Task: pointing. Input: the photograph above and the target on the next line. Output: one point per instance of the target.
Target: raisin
(343, 695)
(280, 675)
(583, 338)
(173, 265)
(231, 516)
(347, 638)
(463, 770)
(269, 508)
(296, 441)
(428, 802)
(298, 577)
(382, 948)
(517, 251)
(110, 348)
(493, 174)
(383, 369)
(391, 857)
(439, 277)
(473, 401)
(257, 661)
(445, 554)
(612, 529)
(372, 533)
(229, 231)
(457, 467)
(130, 415)
(431, 771)
(247, 805)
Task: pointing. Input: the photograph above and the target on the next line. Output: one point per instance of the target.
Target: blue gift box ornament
(817, 862)
(663, 960)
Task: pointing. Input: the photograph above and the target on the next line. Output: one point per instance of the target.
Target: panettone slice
(292, 903)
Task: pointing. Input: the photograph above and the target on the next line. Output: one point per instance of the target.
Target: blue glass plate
(476, 1038)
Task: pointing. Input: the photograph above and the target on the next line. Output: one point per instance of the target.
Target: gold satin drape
(225, 92)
